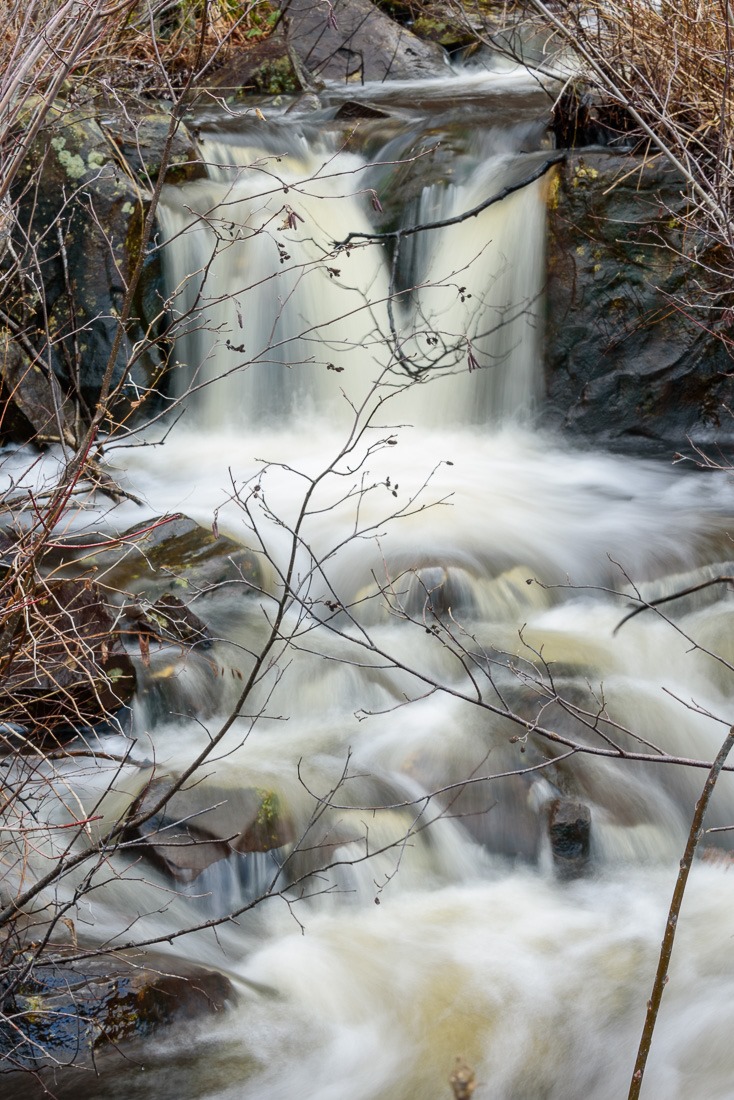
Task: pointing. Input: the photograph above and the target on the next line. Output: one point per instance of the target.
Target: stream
(365, 424)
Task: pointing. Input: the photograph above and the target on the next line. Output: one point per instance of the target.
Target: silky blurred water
(449, 565)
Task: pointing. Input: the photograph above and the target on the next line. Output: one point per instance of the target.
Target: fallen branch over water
(673, 596)
(409, 231)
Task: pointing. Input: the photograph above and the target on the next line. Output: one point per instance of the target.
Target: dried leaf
(462, 1080)
(144, 643)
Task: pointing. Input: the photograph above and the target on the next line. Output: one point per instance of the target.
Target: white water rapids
(434, 493)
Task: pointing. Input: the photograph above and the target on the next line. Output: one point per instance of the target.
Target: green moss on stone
(276, 78)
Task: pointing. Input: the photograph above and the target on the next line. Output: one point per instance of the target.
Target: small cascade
(456, 583)
(276, 324)
(279, 325)
(475, 325)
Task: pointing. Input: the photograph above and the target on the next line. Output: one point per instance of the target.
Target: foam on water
(445, 575)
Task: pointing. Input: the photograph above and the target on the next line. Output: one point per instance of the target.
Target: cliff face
(634, 358)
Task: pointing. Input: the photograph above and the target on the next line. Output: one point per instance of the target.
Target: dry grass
(154, 50)
(142, 42)
(673, 59)
(668, 64)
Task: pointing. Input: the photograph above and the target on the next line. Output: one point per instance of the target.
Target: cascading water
(287, 326)
(438, 563)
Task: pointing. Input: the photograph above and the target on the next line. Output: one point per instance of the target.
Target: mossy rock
(447, 34)
(276, 77)
(208, 822)
(140, 136)
(167, 555)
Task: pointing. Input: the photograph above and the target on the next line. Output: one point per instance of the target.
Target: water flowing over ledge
(450, 564)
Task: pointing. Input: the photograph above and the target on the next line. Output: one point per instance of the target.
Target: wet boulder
(169, 554)
(177, 587)
(346, 41)
(205, 822)
(353, 41)
(569, 831)
(633, 359)
(58, 1010)
(64, 666)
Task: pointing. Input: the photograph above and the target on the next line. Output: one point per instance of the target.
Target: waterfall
(289, 327)
(273, 317)
(448, 564)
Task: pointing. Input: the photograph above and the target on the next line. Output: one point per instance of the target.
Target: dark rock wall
(629, 365)
(81, 200)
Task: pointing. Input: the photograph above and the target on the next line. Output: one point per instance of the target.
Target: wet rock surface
(569, 831)
(101, 609)
(627, 365)
(171, 555)
(205, 823)
(64, 665)
(61, 1011)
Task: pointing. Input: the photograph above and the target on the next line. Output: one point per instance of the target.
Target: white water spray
(475, 949)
